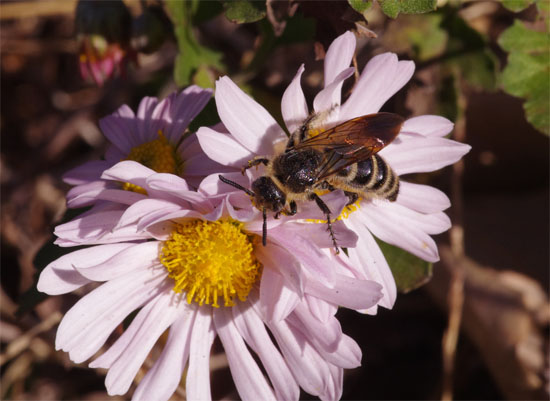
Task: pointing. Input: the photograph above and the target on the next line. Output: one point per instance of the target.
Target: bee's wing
(353, 141)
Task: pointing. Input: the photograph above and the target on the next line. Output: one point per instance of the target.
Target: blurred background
(477, 326)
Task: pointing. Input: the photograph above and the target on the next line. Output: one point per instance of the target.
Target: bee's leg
(293, 208)
(276, 216)
(254, 162)
(324, 208)
(352, 196)
(264, 228)
(326, 185)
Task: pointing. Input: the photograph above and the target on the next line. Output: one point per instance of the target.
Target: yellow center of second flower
(159, 155)
(211, 259)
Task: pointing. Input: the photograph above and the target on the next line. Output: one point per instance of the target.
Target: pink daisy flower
(155, 137)
(420, 147)
(192, 262)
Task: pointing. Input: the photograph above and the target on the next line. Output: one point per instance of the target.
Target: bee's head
(267, 195)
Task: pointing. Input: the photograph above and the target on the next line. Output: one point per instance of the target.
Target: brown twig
(455, 300)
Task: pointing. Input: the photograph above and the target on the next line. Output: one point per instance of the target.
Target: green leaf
(392, 8)
(527, 74)
(467, 54)
(243, 11)
(517, 5)
(409, 271)
(543, 8)
(360, 5)
(192, 55)
(418, 35)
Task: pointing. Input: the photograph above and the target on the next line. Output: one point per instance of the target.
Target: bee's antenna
(264, 228)
(234, 184)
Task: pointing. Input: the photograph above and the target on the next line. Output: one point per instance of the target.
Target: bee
(343, 157)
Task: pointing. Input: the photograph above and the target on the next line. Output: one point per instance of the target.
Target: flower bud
(103, 35)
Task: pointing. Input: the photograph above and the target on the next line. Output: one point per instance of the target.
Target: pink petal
(128, 171)
(347, 291)
(197, 383)
(308, 367)
(120, 129)
(200, 166)
(144, 115)
(422, 198)
(370, 263)
(336, 385)
(335, 201)
(282, 262)
(276, 299)
(141, 210)
(293, 104)
(95, 194)
(382, 77)
(396, 232)
(320, 309)
(160, 316)
(419, 154)
(109, 357)
(311, 257)
(318, 234)
(253, 330)
(185, 107)
(248, 122)
(432, 223)
(196, 162)
(428, 125)
(84, 194)
(88, 324)
(341, 350)
(248, 378)
(339, 56)
(223, 148)
(89, 225)
(59, 277)
(123, 262)
(212, 185)
(325, 333)
(163, 378)
(328, 98)
(86, 172)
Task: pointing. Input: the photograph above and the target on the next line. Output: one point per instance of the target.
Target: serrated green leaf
(517, 5)
(191, 55)
(244, 11)
(409, 271)
(392, 8)
(360, 5)
(527, 74)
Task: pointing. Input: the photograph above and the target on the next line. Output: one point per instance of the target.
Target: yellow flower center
(158, 155)
(211, 259)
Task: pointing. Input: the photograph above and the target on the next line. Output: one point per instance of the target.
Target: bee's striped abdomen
(376, 178)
